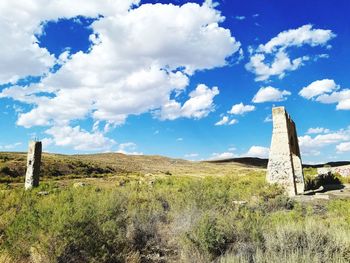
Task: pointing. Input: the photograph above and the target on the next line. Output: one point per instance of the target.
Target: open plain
(120, 208)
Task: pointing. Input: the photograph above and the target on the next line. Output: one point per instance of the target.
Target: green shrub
(6, 171)
(315, 182)
(207, 237)
(192, 219)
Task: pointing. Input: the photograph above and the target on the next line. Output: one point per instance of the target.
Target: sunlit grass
(231, 218)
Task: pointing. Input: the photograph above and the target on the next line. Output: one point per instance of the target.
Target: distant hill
(249, 161)
(13, 166)
(262, 163)
(331, 164)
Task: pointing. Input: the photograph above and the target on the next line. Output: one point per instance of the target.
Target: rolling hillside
(13, 166)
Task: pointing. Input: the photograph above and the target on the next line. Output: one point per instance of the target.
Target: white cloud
(343, 147)
(46, 143)
(20, 54)
(223, 121)
(191, 155)
(277, 49)
(222, 156)
(317, 88)
(179, 139)
(342, 98)
(233, 121)
(198, 106)
(79, 139)
(280, 64)
(298, 37)
(128, 148)
(268, 118)
(326, 91)
(317, 130)
(226, 121)
(139, 57)
(240, 109)
(254, 151)
(270, 94)
(313, 145)
(240, 17)
(257, 151)
(10, 146)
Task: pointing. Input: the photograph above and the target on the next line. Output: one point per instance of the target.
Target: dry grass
(156, 209)
(62, 167)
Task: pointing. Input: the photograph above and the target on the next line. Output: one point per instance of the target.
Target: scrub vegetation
(169, 217)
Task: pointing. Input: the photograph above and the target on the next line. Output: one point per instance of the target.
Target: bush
(207, 237)
(191, 219)
(315, 182)
(280, 202)
(6, 171)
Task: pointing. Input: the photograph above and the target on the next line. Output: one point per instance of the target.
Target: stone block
(33, 165)
(285, 165)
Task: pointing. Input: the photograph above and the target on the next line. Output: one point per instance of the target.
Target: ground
(118, 208)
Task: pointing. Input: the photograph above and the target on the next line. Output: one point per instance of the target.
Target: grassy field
(122, 209)
(56, 167)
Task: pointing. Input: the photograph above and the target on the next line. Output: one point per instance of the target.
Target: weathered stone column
(285, 166)
(33, 165)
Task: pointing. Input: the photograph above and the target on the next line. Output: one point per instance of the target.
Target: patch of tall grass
(170, 219)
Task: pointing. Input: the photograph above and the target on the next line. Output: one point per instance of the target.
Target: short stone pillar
(33, 165)
(285, 166)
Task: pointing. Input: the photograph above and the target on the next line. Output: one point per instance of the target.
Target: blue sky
(186, 79)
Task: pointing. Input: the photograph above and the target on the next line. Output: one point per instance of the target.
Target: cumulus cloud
(240, 109)
(223, 156)
(343, 147)
(240, 17)
(191, 156)
(223, 121)
(21, 21)
(79, 139)
(233, 121)
(139, 57)
(317, 130)
(254, 151)
(10, 146)
(257, 151)
(226, 121)
(277, 47)
(268, 118)
(270, 94)
(317, 88)
(198, 106)
(312, 145)
(326, 91)
(342, 98)
(128, 148)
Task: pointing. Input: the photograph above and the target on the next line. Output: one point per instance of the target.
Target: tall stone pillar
(285, 166)
(33, 165)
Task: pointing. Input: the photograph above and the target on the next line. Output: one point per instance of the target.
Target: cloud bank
(139, 57)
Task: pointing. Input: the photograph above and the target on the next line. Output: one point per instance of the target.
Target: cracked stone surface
(33, 165)
(285, 165)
